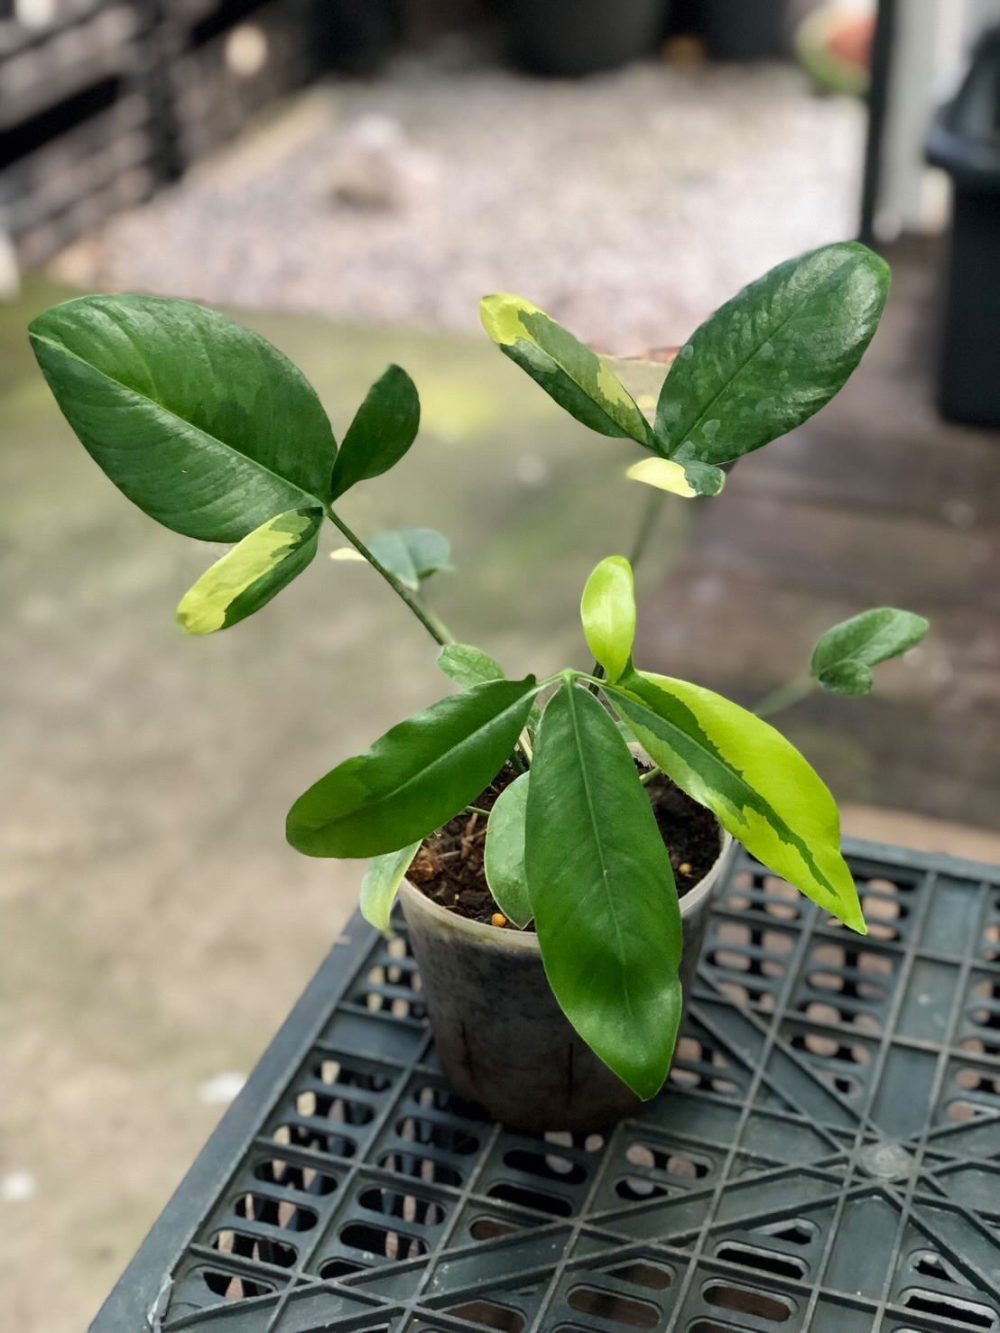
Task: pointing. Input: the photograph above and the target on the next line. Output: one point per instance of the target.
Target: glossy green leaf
(503, 859)
(773, 355)
(760, 787)
(416, 777)
(568, 371)
(602, 892)
(381, 884)
(384, 427)
(843, 658)
(202, 424)
(468, 666)
(412, 554)
(607, 610)
(254, 571)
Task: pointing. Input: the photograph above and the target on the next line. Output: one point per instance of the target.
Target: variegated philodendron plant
(212, 432)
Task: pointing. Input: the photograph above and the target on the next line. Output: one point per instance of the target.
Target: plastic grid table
(827, 1155)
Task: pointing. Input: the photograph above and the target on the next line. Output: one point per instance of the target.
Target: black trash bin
(965, 141)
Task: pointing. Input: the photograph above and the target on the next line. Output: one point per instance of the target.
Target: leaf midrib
(173, 416)
(591, 809)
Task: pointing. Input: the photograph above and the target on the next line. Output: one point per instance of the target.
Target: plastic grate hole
(637, 1188)
(319, 1106)
(491, 1228)
(960, 1112)
(831, 1015)
(613, 1308)
(528, 1198)
(991, 942)
(259, 1248)
(332, 1072)
(305, 1136)
(427, 1169)
(674, 1163)
(641, 1273)
(884, 907)
(798, 1231)
(710, 1326)
(290, 1176)
(407, 1207)
(762, 1261)
(489, 1315)
(334, 1268)
(695, 1066)
(431, 1134)
(950, 1307)
(274, 1212)
(234, 1288)
(547, 1166)
(929, 1264)
(382, 1242)
(748, 1300)
(582, 1142)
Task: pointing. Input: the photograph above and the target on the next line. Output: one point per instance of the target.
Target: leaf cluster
(212, 432)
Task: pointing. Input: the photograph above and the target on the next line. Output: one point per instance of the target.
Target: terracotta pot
(501, 1037)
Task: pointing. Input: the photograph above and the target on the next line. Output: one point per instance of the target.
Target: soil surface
(449, 866)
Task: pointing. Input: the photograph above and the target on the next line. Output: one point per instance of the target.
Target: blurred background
(349, 177)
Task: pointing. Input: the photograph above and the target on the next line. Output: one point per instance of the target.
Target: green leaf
(843, 658)
(254, 571)
(503, 859)
(384, 427)
(381, 884)
(760, 787)
(416, 777)
(468, 666)
(607, 610)
(567, 370)
(202, 424)
(412, 554)
(602, 892)
(773, 355)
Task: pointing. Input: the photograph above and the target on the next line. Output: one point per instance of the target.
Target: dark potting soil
(449, 866)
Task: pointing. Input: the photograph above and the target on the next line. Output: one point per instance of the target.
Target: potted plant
(555, 841)
(738, 30)
(570, 38)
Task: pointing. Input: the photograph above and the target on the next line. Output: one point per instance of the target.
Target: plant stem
(647, 524)
(649, 775)
(785, 696)
(431, 623)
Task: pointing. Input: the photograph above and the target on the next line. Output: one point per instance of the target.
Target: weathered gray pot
(501, 1037)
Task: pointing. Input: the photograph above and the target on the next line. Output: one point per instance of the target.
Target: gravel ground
(627, 205)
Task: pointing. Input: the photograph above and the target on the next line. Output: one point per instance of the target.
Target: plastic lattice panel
(826, 1156)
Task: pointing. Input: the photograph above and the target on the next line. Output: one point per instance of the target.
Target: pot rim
(526, 941)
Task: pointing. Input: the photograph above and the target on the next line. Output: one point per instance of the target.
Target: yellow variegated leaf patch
(253, 572)
(664, 474)
(566, 369)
